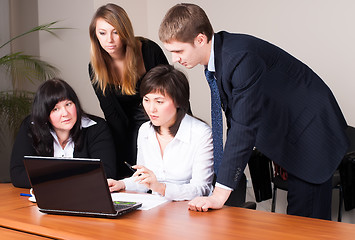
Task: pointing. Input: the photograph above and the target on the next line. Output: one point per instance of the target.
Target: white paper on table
(148, 201)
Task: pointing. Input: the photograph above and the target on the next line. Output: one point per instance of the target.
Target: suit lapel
(218, 66)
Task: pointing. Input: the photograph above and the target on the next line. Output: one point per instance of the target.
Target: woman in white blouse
(175, 152)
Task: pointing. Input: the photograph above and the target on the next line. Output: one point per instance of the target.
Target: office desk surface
(6, 233)
(169, 221)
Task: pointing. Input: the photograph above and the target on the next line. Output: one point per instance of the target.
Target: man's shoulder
(225, 34)
(234, 40)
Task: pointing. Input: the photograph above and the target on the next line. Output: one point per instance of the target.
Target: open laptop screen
(69, 184)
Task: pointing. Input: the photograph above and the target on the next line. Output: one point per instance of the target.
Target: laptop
(73, 186)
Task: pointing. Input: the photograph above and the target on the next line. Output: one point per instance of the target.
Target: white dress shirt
(187, 165)
(68, 150)
(211, 67)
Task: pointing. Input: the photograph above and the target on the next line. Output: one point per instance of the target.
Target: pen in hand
(130, 167)
(134, 170)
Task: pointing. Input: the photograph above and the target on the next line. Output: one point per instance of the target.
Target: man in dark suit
(272, 101)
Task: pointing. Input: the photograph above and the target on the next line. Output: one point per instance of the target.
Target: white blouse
(187, 165)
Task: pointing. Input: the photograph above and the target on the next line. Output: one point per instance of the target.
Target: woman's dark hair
(167, 80)
(47, 96)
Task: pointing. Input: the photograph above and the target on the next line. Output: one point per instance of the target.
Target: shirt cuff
(224, 187)
(129, 183)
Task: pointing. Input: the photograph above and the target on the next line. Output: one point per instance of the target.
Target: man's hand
(215, 201)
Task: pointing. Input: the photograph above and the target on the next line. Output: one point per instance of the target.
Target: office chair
(279, 183)
(347, 172)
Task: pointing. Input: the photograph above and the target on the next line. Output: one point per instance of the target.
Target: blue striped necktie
(217, 123)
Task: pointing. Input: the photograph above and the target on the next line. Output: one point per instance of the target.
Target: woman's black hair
(47, 96)
(167, 80)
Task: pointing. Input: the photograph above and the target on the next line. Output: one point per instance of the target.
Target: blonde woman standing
(119, 60)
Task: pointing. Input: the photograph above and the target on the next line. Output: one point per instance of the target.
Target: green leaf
(44, 27)
(27, 68)
(14, 106)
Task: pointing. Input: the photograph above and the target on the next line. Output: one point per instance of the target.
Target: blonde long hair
(102, 63)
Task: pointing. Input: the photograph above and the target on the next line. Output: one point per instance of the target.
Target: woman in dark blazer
(119, 60)
(59, 127)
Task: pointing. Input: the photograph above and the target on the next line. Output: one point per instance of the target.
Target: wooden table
(169, 221)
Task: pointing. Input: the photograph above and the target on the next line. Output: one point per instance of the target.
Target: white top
(210, 66)
(68, 150)
(187, 165)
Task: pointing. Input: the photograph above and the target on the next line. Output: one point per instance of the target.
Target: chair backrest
(350, 132)
(261, 175)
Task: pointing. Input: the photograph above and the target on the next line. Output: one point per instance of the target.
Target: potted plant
(16, 103)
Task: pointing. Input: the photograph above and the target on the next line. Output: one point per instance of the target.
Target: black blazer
(279, 105)
(97, 143)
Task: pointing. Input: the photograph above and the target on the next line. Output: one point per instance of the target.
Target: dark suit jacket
(97, 143)
(279, 105)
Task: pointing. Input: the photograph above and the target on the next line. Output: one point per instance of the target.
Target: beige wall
(5, 80)
(70, 52)
(318, 32)
(24, 16)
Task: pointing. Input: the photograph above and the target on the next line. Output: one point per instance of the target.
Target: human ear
(200, 39)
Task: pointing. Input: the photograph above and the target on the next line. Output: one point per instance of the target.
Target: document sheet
(148, 201)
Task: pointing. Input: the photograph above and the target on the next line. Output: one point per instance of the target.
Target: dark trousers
(309, 200)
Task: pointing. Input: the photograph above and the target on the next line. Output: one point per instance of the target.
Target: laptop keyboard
(119, 205)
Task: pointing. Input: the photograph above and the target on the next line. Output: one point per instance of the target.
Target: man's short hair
(183, 23)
